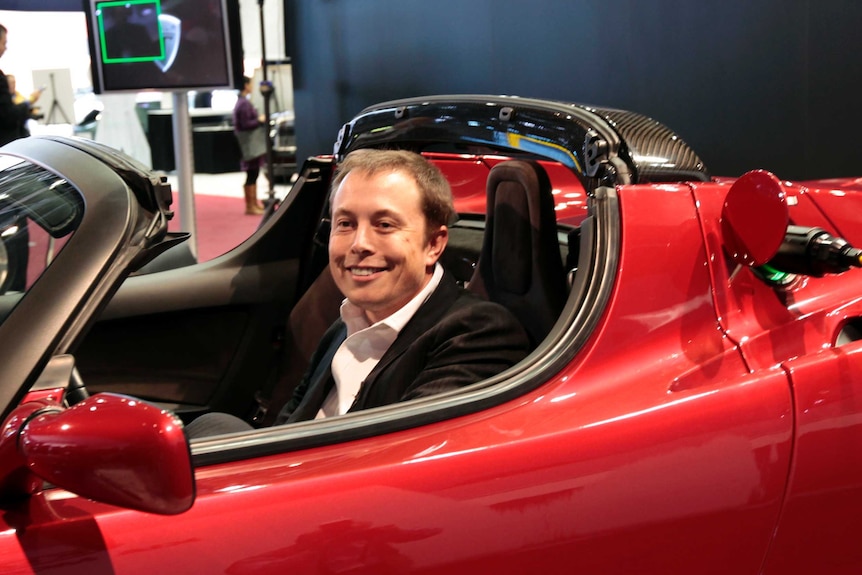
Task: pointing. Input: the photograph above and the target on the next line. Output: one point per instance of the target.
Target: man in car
(407, 330)
(410, 330)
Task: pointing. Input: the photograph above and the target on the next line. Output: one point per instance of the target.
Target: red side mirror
(754, 218)
(114, 449)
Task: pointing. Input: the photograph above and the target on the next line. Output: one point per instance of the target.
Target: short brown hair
(437, 204)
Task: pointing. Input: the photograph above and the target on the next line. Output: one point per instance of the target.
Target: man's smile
(364, 271)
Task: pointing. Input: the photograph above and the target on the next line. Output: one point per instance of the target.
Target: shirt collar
(354, 317)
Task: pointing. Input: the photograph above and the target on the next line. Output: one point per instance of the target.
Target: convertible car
(692, 404)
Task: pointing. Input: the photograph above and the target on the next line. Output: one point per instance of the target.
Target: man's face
(2, 43)
(379, 252)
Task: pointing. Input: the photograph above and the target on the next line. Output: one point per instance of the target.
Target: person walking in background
(13, 117)
(250, 128)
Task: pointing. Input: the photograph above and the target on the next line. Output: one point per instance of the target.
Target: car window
(39, 212)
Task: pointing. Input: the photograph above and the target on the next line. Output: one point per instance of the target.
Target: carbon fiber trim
(603, 146)
(658, 154)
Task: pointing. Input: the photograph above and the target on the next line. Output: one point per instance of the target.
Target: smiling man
(407, 330)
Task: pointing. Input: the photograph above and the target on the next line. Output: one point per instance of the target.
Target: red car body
(686, 415)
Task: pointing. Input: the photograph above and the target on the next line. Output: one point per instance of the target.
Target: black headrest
(520, 264)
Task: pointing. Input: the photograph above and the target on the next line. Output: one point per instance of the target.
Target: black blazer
(455, 339)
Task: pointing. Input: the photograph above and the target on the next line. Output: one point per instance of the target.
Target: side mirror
(109, 448)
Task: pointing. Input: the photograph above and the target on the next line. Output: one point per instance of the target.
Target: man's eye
(343, 224)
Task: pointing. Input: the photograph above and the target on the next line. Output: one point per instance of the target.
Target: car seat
(520, 265)
(311, 316)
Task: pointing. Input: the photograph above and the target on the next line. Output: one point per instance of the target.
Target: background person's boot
(252, 206)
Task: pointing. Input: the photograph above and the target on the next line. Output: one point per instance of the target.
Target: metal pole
(184, 161)
(266, 90)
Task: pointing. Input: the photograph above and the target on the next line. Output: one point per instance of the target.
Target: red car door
(807, 327)
(654, 449)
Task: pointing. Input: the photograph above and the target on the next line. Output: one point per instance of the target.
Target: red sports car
(692, 405)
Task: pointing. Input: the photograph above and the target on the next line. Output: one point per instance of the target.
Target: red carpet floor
(221, 224)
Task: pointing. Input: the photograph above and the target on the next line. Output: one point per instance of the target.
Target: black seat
(520, 265)
(308, 320)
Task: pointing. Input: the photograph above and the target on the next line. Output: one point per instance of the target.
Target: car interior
(236, 334)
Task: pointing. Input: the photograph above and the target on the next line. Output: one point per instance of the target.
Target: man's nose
(362, 238)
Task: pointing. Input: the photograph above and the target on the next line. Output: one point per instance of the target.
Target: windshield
(39, 212)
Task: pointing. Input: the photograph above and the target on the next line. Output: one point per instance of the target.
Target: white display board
(57, 102)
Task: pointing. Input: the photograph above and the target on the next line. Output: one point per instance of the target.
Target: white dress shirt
(365, 345)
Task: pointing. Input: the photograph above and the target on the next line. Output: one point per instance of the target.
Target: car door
(633, 439)
(807, 326)
(823, 500)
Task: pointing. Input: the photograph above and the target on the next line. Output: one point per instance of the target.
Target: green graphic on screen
(130, 31)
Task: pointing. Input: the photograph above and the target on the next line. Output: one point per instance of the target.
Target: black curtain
(771, 84)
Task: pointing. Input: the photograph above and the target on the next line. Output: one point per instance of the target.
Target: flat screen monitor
(166, 45)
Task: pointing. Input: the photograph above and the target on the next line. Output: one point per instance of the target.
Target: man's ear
(436, 244)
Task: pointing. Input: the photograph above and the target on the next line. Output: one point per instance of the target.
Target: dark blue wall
(769, 84)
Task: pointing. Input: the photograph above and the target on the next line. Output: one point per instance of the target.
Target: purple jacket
(245, 115)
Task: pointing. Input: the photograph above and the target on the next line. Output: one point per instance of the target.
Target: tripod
(55, 105)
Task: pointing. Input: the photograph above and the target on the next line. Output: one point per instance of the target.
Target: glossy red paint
(53, 396)
(825, 489)
(467, 175)
(707, 424)
(391, 502)
(795, 328)
(754, 218)
(143, 463)
(614, 450)
(15, 477)
(625, 461)
(841, 200)
(769, 323)
(116, 449)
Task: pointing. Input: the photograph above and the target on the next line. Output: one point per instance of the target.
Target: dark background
(771, 84)
(749, 84)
